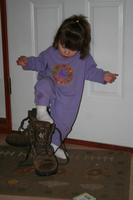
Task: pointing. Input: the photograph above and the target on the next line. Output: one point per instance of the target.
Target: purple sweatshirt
(68, 75)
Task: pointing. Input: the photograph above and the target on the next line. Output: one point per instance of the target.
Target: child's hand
(110, 77)
(22, 60)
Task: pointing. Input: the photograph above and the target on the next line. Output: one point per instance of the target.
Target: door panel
(105, 114)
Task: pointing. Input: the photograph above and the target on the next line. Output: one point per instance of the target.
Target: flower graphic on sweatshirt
(62, 73)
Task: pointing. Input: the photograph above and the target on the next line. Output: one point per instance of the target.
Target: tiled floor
(8, 197)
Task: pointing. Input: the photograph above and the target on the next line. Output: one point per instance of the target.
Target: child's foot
(45, 118)
(59, 153)
(42, 114)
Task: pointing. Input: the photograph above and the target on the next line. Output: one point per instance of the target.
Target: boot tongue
(42, 136)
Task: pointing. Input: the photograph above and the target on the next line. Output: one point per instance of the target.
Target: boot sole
(46, 173)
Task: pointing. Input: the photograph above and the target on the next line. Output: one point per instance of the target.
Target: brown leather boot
(44, 159)
(37, 136)
(21, 137)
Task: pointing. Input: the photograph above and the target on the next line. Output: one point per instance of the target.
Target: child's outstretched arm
(22, 61)
(95, 74)
(110, 77)
(33, 63)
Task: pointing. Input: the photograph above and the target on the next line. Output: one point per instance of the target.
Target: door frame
(5, 123)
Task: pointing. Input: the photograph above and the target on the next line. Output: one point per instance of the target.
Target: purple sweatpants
(46, 94)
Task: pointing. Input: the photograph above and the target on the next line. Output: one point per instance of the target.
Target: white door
(105, 114)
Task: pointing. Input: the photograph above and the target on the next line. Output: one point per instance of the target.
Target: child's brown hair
(75, 34)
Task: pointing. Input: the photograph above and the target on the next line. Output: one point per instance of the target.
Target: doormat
(104, 174)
